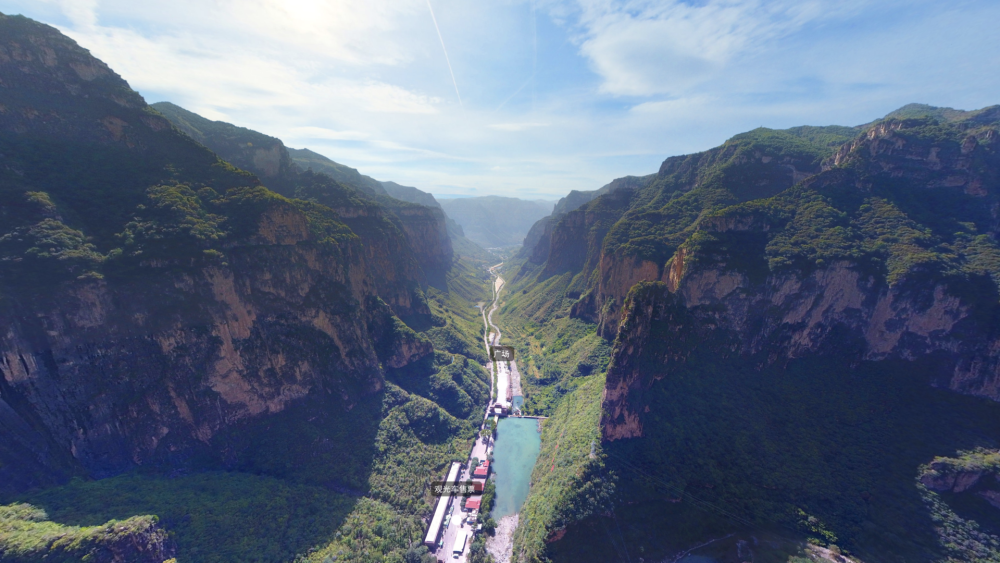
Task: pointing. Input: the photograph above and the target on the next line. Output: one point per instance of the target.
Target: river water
(514, 454)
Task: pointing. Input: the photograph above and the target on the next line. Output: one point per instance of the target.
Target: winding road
(481, 446)
(488, 319)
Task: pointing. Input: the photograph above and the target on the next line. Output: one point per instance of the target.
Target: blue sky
(534, 98)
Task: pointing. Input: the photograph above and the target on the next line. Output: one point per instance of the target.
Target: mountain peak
(56, 66)
(989, 114)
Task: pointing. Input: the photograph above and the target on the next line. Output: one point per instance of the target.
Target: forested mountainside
(267, 157)
(309, 160)
(804, 328)
(164, 314)
(535, 247)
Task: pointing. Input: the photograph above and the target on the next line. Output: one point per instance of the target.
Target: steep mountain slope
(309, 160)
(576, 199)
(162, 282)
(162, 310)
(629, 233)
(902, 219)
(256, 152)
(494, 221)
(536, 246)
(410, 194)
(801, 326)
(425, 228)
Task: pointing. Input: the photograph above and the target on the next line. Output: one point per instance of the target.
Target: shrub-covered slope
(26, 536)
(371, 213)
(163, 312)
(821, 311)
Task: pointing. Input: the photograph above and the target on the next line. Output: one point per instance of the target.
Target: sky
(534, 98)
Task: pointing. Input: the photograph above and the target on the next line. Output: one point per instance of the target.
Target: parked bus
(459, 546)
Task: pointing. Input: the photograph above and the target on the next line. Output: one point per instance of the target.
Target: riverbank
(501, 545)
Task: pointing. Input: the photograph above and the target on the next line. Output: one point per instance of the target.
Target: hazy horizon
(535, 98)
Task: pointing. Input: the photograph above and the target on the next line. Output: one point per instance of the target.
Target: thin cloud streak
(516, 92)
(445, 49)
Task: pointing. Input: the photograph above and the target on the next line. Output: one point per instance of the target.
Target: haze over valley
(411, 339)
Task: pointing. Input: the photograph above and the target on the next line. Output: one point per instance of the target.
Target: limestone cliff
(153, 296)
(538, 241)
(127, 371)
(261, 154)
(389, 225)
(799, 358)
(844, 253)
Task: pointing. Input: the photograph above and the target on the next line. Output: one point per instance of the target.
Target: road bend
(456, 525)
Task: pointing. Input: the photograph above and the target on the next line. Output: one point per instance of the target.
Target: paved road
(456, 527)
(479, 449)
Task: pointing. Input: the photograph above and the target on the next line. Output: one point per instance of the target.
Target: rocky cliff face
(389, 225)
(309, 160)
(124, 372)
(427, 234)
(577, 237)
(409, 194)
(628, 234)
(777, 281)
(152, 295)
(806, 358)
(538, 242)
(65, 83)
(261, 154)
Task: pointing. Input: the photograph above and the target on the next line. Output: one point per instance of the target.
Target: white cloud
(190, 68)
(387, 98)
(516, 126)
(81, 12)
(342, 30)
(646, 48)
(329, 134)
(620, 84)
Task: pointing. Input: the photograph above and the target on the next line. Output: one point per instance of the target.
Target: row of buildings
(472, 503)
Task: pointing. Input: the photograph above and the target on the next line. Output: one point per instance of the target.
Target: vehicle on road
(456, 552)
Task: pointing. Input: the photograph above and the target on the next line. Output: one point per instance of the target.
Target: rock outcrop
(27, 535)
(409, 222)
(743, 277)
(153, 296)
(128, 372)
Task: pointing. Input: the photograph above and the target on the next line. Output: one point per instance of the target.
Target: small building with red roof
(483, 470)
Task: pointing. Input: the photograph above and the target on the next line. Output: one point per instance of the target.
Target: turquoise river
(514, 454)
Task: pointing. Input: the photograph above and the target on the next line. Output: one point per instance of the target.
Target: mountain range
(163, 310)
(803, 326)
(217, 348)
